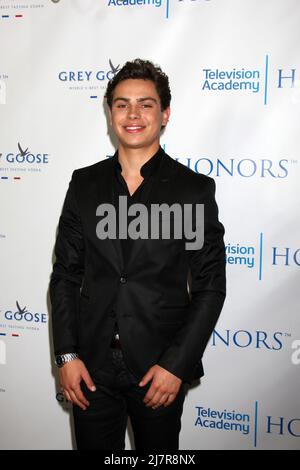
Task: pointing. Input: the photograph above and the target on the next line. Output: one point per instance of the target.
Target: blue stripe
(167, 9)
(266, 79)
(2, 334)
(260, 256)
(255, 424)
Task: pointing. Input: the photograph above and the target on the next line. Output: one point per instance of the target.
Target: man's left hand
(164, 387)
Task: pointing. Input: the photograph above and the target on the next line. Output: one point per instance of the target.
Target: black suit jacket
(90, 288)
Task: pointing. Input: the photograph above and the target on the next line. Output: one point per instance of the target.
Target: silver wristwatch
(62, 359)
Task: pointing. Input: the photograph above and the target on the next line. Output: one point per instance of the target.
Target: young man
(127, 333)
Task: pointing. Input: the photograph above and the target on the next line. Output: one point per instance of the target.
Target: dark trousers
(103, 425)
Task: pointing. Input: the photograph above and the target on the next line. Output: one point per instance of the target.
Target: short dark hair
(145, 70)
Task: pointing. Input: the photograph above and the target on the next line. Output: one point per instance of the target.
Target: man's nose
(134, 112)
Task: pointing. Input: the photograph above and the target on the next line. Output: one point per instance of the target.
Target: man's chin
(136, 145)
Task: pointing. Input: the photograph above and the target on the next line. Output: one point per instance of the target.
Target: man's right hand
(70, 376)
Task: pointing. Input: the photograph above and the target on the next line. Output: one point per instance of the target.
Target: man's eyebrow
(146, 98)
(121, 98)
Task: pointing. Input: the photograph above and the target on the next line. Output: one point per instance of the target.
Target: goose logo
(88, 76)
(21, 311)
(25, 156)
(22, 314)
(22, 152)
(113, 69)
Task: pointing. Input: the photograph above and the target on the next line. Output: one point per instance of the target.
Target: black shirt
(148, 171)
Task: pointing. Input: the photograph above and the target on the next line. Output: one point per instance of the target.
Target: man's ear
(166, 116)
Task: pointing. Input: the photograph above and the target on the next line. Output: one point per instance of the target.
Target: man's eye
(121, 105)
(146, 105)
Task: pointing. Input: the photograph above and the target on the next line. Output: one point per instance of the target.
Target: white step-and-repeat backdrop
(234, 68)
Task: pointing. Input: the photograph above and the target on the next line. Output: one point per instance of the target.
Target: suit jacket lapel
(105, 194)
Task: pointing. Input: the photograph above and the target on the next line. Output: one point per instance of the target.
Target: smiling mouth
(134, 129)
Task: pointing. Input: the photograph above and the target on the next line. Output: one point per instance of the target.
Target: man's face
(136, 115)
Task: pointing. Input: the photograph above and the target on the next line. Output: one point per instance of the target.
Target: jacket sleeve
(67, 275)
(208, 290)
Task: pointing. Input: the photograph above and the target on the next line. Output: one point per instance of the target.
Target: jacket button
(123, 279)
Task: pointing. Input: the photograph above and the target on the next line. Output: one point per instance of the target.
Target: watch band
(62, 359)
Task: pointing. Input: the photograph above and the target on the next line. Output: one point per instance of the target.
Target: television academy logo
(257, 254)
(252, 425)
(240, 254)
(164, 5)
(136, 3)
(167, 6)
(248, 80)
(222, 419)
(231, 80)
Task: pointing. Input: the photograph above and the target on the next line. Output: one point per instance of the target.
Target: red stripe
(19, 16)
